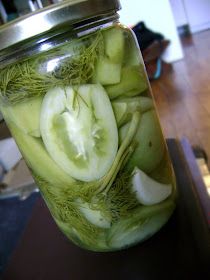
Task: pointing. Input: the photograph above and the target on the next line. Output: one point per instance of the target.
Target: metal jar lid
(53, 17)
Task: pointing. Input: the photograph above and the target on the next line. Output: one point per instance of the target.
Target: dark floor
(14, 215)
(182, 94)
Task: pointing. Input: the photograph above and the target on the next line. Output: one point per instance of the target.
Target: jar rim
(53, 17)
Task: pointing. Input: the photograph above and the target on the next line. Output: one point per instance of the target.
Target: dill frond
(120, 198)
(25, 80)
(61, 202)
(79, 68)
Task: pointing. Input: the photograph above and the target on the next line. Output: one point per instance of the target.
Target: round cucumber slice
(150, 150)
(79, 130)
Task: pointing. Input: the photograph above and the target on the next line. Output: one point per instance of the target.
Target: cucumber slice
(120, 111)
(132, 83)
(132, 55)
(150, 150)
(125, 107)
(140, 225)
(79, 130)
(38, 159)
(114, 44)
(107, 72)
(25, 115)
(149, 191)
(136, 103)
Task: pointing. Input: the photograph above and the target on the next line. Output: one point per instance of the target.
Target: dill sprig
(63, 206)
(21, 81)
(119, 200)
(27, 80)
(79, 69)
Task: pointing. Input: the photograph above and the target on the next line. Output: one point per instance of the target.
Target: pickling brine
(83, 117)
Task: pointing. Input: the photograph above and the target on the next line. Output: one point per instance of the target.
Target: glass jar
(76, 98)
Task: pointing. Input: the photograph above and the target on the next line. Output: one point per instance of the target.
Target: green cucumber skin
(126, 86)
(114, 44)
(124, 108)
(151, 144)
(107, 72)
(132, 83)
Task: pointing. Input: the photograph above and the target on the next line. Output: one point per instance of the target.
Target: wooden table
(181, 250)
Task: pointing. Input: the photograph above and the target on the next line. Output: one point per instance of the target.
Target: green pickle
(84, 119)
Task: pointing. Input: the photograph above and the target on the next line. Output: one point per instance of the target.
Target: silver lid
(52, 17)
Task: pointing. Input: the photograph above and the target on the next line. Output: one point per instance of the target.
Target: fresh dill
(120, 199)
(27, 79)
(78, 69)
(64, 208)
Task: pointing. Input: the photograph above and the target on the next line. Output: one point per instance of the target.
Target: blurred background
(174, 37)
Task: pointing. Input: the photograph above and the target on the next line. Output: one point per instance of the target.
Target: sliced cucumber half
(79, 130)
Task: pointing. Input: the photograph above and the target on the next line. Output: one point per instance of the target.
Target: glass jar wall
(84, 119)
